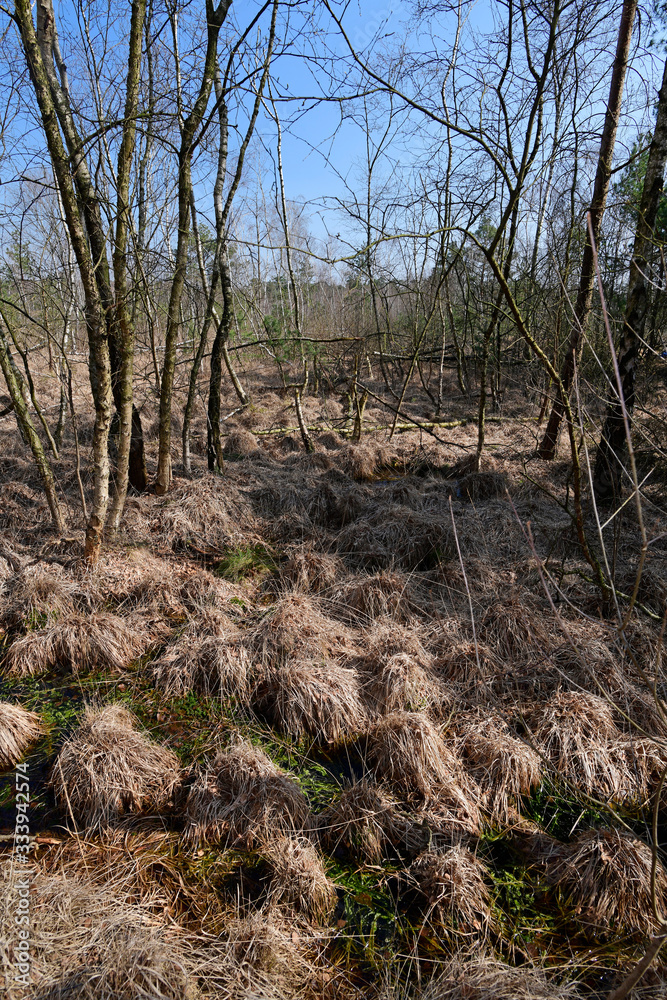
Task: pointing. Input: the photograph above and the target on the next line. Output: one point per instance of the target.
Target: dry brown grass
(92, 940)
(295, 627)
(366, 459)
(335, 501)
(207, 513)
(606, 875)
(208, 656)
(396, 536)
(504, 767)
(240, 443)
(474, 670)
(366, 597)
(244, 800)
(308, 571)
(331, 441)
(40, 594)
(406, 749)
(576, 732)
(646, 760)
(19, 729)
(101, 641)
(514, 628)
(364, 822)
(471, 976)
(140, 581)
(385, 638)
(316, 461)
(322, 701)
(477, 486)
(298, 878)
(400, 684)
(268, 944)
(453, 886)
(108, 768)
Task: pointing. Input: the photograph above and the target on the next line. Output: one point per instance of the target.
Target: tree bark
(92, 215)
(215, 18)
(130, 448)
(100, 368)
(582, 307)
(609, 460)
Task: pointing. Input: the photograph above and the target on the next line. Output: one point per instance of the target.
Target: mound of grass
(244, 800)
(108, 768)
(19, 729)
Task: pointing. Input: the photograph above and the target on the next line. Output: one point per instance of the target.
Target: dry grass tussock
(19, 729)
(108, 768)
(477, 486)
(208, 656)
(366, 597)
(294, 628)
(474, 670)
(331, 441)
(336, 501)
(240, 443)
(646, 760)
(322, 701)
(299, 879)
(316, 461)
(396, 536)
(366, 459)
(205, 513)
(37, 595)
(22, 507)
(244, 800)
(504, 767)
(452, 884)
(406, 749)
(140, 581)
(92, 941)
(515, 628)
(308, 571)
(365, 822)
(385, 638)
(401, 683)
(474, 977)
(266, 944)
(606, 876)
(576, 732)
(101, 641)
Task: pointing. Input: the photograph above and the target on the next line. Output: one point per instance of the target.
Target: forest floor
(354, 723)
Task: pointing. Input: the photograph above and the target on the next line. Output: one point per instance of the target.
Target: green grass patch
(246, 561)
(367, 915)
(560, 813)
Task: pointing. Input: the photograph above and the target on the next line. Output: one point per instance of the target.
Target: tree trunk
(215, 18)
(613, 443)
(100, 370)
(28, 432)
(582, 307)
(130, 448)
